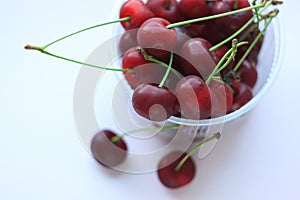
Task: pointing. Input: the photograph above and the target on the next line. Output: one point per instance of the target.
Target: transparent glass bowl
(269, 64)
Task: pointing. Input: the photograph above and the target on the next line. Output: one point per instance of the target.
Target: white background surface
(41, 156)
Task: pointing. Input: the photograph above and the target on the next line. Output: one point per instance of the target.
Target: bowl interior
(268, 66)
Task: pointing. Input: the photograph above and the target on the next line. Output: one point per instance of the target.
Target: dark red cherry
(156, 38)
(196, 29)
(222, 98)
(242, 94)
(128, 40)
(138, 12)
(197, 60)
(194, 98)
(194, 8)
(167, 9)
(105, 151)
(247, 73)
(226, 26)
(171, 178)
(253, 56)
(153, 102)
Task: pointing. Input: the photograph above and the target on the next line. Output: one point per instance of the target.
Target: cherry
(144, 70)
(169, 176)
(247, 73)
(138, 13)
(197, 58)
(194, 98)
(128, 40)
(156, 38)
(242, 94)
(225, 29)
(194, 8)
(222, 98)
(105, 151)
(153, 102)
(167, 9)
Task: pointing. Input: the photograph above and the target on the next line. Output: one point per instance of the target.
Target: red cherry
(156, 38)
(196, 59)
(171, 178)
(242, 94)
(226, 26)
(247, 73)
(128, 40)
(167, 9)
(105, 151)
(194, 98)
(222, 98)
(145, 71)
(153, 102)
(138, 12)
(194, 8)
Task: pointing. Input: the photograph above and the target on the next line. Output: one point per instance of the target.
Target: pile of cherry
(154, 51)
(190, 95)
(193, 59)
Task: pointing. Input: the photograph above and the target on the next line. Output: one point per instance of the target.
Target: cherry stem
(256, 11)
(150, 58)
(86, 29)
(236, 4)
(167, 5)
(239, 31)
(181, 163)
(42, 50)
(161, 84)
(232, 36)
(118, 137)
(187, 22)
(230, 53)
(271, 15)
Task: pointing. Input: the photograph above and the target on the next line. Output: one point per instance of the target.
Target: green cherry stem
(42, 50)
(118, 137)
(236, 4)
(233, 35)
(86, 29)
(150, 58)
(180, 164)
(229, 56)
(183, 23)
(256, 11)
(161, 84)
(167, 5)
(241, 29)
(275, 12)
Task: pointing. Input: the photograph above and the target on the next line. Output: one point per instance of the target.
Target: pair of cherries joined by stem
(173, 74)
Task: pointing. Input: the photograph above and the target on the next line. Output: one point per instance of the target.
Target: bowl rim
(279, 39)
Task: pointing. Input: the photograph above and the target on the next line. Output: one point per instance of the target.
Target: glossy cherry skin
(196, 59)
(105, 151)
(153, 102)
(171, 178)
(247, 73)
(194, 98)
(226, 26)
(161, 8)
(156, 38)
(145, 71)
(242, 94)
(222, 98)
(128, 40)
(137, 10)
(194, 8)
